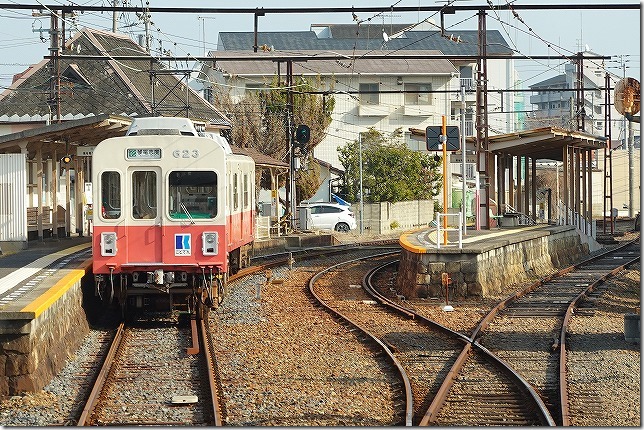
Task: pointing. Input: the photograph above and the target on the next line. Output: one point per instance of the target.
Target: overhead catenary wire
(381, 11)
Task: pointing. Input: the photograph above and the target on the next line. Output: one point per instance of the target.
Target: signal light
(66, 159)
(303, 133)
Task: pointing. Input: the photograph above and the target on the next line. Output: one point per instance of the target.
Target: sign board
(85, 151)
(432, 137)
(143, 153)
(458, 158)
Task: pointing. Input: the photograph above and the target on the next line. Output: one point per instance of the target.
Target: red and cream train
(174, 215)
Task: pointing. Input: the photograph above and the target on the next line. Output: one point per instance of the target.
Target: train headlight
(209, 243)
(108, 244)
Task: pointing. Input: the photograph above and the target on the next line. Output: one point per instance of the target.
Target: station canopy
(64, 137)
(540, 143)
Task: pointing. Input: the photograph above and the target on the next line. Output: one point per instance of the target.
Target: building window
(369, 94)
(207, 94)
(418, 94)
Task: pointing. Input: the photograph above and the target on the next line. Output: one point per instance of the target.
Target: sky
(606, 32)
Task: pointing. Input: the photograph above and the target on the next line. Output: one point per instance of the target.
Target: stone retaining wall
(29, 361)
(485, 269)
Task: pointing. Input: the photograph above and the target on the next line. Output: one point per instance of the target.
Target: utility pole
(482, 130)
(290, 192)
(54, 68)
(114, 17)
(463, 162)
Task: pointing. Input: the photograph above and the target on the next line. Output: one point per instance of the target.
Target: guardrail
(443, 230)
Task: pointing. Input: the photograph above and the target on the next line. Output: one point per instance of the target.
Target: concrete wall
(385, 217)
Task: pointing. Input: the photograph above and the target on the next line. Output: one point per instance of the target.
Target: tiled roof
(93, 87)
(369, 37)
(260, 158)
(349, 63)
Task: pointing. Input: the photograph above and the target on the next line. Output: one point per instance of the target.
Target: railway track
(532, 326)
(285, 361)
(477, 394)
(528, 329)
(423, 352)
(155, 373)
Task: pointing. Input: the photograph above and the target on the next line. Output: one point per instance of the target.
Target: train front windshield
(193, 194)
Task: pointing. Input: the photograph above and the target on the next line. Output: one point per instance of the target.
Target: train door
(144, 235)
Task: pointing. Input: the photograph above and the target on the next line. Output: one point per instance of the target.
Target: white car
(329, 216)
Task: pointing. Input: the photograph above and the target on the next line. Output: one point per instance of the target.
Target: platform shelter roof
(543, 143)
(65, 137)
(540, 143)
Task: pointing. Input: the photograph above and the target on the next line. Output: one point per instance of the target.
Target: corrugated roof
(539, 143)
(344, 38)
(103, 87)
(348, 63)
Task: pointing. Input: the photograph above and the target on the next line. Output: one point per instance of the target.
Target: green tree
(390, 170)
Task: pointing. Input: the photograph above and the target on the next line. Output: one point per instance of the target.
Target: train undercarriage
(193, 291)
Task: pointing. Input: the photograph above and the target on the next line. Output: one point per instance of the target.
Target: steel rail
(212, 381)
(434, 408)
(563, 377)
(503, 304)
(102, 376)
(409, 402)
(367, 284)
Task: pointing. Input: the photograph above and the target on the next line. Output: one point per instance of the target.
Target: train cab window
(193, 194)
(144, 195)
(110, 195)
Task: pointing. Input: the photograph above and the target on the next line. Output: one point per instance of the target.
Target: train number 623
(185, 153)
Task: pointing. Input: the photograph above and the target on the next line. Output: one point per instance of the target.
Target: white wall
(13, 198)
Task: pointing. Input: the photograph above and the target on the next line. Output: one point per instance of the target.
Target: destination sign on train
(143, 153)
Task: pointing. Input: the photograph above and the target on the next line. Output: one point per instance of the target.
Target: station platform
(426, 241)
(34, 278)
(488, 260)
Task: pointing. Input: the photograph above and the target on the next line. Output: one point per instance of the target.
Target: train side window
(144, 195)
(110, 195)
(246, 192)
(193, 194)
(235, 192)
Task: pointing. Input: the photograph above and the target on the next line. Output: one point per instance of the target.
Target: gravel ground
(605, 369)
(616, 382)
(324, 378)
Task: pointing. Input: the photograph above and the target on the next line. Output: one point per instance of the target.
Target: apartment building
(414, 91)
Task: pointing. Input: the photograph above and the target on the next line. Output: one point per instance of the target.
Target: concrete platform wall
(32, 355)
(487, 271)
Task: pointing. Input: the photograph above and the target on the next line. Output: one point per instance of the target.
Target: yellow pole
(444, 133)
